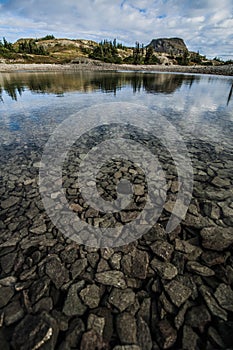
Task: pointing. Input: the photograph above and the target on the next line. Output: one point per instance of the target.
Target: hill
(165, 51)
(173, 46)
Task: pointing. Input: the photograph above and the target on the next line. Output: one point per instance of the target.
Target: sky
(205, 25)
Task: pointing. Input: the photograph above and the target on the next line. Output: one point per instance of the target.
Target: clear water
(200, 107)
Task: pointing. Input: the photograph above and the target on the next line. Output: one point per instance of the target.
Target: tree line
(25, 46)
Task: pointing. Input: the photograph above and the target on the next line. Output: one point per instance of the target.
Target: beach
(101, 66)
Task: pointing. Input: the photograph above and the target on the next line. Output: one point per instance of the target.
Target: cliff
(172, 46)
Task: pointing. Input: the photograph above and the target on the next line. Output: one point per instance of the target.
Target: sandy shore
(95, 66)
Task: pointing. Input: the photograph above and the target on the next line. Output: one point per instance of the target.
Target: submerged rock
(165, 270)
(112, 278)
(216, 238)
(224, 296)
(121, 299)
(73, 303)
(126, 328)
(178, 292)
(167, 334)
(34, 331)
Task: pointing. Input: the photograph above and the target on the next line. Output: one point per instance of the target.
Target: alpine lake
(160, 290)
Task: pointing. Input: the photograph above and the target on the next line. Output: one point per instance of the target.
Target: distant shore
(100, 66)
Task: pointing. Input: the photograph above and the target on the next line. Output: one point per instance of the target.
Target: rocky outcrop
(169, 45)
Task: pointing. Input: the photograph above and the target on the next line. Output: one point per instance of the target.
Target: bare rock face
(169, 45)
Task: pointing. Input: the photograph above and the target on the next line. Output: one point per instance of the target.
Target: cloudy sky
(205, 25)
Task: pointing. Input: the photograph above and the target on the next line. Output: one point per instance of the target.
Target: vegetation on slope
(48, 49)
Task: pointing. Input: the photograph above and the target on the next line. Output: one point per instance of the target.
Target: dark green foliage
(196, 58)
(6, 46)
(7, 49)
(106, 51)
(228, 62)
(47, 37)
(31, 47)
(149, 55)
(129, 60)
(137, 54)
(184, 59)
(217, 59)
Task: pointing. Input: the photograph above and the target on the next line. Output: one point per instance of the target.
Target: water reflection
(230, 95)
(59, 83)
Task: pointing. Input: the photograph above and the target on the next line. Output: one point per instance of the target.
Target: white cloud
(205, 25)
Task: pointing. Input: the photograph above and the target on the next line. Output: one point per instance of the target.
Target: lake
(157, 200)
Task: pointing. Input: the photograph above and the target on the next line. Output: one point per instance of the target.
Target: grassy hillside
(52, 50)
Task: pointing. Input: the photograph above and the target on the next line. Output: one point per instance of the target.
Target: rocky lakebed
(161, 291)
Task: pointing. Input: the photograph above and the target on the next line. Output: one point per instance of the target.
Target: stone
(115, 261)
(139, 190)
(28, 274)
(8, 281)
(212, 258)
(128, 216)
(212, 304)
(216, 238)
(78, 267)
(179, 319)
(103, 265)
(73, 336)
(69, 254)
(121, 299)
(215, 338)
(155, 233)
(126, 328)
(196, 267)
(92, 340)
(96, 323)
(38, 289)
(166, 304)
(91, 296)
(39, 230)
(127, 347)
(178, 292)
(106, 253)
(76, 207)
(198, 317)
(56, 271)
(167, 334)
(169, 45)
(93, 259)
(35, 331)
(108, 317)
(143, 334)
(7, 262)
(145, 310)
(192, 252)
(162, 249)
(169, 205)
(165, 270)
(111, 278)
(224, 296)
(73, 304)
(9, 202)
(135, 264)
(44, 304)
(178, 261)
(13, 313)
(189, 339)
(219, 182)
(6, 293)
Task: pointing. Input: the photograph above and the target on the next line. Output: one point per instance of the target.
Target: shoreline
(226, 70)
